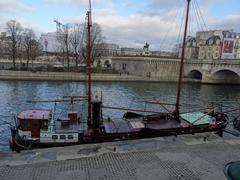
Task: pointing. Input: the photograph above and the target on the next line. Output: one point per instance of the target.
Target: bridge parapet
(229, 61)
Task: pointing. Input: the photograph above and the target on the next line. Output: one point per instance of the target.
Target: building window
(124, 66)
(148, 74)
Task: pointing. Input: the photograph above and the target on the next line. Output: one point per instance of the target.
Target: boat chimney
(96, 114)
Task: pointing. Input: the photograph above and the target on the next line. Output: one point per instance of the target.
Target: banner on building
(228, 49)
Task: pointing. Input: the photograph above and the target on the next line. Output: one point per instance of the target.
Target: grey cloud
(137, 29)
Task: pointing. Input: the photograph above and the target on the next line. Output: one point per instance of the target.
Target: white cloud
(14, 6)
(229, 22)
(34, 26)
(9, 9)
(157, 24)
(74, 2)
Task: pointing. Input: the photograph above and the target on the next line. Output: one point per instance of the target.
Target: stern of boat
(12, 140)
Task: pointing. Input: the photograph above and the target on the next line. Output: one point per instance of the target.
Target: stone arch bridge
(167, 69)
(218, 71)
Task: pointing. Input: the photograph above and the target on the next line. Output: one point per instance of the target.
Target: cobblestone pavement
(159, 158)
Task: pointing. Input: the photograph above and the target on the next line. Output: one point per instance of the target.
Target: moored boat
(37, 128)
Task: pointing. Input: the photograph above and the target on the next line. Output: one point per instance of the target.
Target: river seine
(14, 95)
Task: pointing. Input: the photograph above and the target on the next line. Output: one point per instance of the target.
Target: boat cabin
(33, 121)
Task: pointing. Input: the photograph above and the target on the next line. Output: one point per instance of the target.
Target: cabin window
(70, 136)
(62, 137)
(24, 125)
(45, 125)
(54, 137)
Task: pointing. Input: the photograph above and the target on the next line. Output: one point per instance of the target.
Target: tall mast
(182, 61)
(89, 61)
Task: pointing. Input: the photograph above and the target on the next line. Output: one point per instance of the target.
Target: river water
(14, 95)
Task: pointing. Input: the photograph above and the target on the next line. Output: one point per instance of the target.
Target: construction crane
(58, 25)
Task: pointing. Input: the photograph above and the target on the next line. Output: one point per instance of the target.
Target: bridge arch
(194, 74)
(226, 76)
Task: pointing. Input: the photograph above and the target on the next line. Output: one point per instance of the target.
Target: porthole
(70, 136)
(54, 137)
(62, 137)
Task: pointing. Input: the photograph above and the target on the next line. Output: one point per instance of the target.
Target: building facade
(230, 45)
(213, 45)
(50, 43)
(210, 49)
(191, 48)
(125, 51)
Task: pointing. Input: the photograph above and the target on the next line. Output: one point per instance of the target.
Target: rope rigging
(173, 21)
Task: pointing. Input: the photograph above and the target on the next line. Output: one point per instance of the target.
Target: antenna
(58, 24)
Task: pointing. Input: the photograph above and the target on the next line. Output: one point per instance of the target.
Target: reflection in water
(128, 95)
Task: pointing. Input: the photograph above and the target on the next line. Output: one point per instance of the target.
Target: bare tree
(63, 38)
(1, 45)
(35, 50)
(14, 30)
(76, 38)
(29, 43)
(97, 42)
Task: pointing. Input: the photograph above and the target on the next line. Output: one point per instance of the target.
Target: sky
(129, 23)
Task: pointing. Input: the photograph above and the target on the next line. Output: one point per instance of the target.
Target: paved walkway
(197, 157)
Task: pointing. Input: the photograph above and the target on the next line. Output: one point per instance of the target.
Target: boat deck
(134, 125)
(166, 124)
(123, 125)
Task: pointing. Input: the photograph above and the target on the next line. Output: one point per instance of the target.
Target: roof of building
(213, 40)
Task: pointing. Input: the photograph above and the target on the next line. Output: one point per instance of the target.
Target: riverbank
(70, 76)
(201, 156)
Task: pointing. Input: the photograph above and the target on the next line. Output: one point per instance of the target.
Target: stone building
(53, 46)
(204, 35)
(5, 47)
(108, 49)
(4, 43)
(125, 51)
(213, 45)
(230, 49)
(191, 49)
(105, 52)
(237, 47)
(210, 48)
